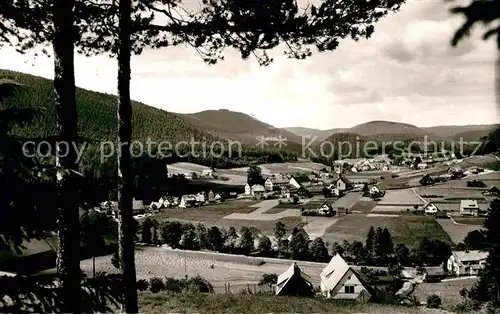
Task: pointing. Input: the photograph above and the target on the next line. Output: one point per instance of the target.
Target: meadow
(457, 232)
(409, 230)
(245, 303)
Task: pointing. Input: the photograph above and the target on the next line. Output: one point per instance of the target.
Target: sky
(406, 72)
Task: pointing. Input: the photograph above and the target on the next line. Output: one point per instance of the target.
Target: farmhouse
(248, 189)
(339, 281)
(466, 263)
(294, 182)
(293, 282)
(431, 208)
(374, 190)
(285, 192)
(343, 184)
(434, 274)
(207, 173)
(188, 200)
(274, 183)
(469, 208)
(493, 191)
(257, 190)
(422, 166)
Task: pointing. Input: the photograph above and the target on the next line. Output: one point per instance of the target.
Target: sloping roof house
(430, 208)
(469, 207)
(273, 182)
(466, 263)
(293, 282)
(343, 183)
(257, 189)
(187, 200)
(339, 281)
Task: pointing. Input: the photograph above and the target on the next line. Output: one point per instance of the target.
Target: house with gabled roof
(469, 208)
(188, 200)
(466, 263)
(273, 183)
(343, 184)
(431, 209)
(339, 281)
(293, 282)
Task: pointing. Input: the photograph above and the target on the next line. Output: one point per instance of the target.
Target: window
(349, 289)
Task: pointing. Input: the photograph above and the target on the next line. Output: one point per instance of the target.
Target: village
(444, 203)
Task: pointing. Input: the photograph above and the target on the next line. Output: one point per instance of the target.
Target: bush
(156, 285)
(197, 285)
(433, 301)
(142, 285)
(173, 285)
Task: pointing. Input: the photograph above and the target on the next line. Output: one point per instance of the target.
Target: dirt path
(317, 226)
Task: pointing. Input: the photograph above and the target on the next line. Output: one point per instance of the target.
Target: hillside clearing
(456, 232)
(408, 230)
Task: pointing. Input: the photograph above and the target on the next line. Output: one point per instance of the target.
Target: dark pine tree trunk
(125, 180)
(68, 259)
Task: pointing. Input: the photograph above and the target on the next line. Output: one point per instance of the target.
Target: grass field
(210, 213)
(456, 232)
(244, 303)
(266, 227)
(477, 221)
(408, 230)
(448, 291)
(394, 183)
(363, 206)
(400, 198)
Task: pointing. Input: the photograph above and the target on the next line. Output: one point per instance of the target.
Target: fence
(248, 288)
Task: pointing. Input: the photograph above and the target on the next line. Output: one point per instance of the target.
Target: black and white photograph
(250, 156)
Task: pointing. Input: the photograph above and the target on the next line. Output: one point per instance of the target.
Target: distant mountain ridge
(378, 127)
(242, 127)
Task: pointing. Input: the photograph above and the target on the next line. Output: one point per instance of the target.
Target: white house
(269, 184)
(257, 189)
(374, 190)
(188, 200)
(342, 184)
(422, 166)
(431, 208)
(466, 263)
(469, 208)
(207, 173)
(294, 183)
(200, 198)
(339, 281)
(285, 192)
(293, 282)
(248, 189)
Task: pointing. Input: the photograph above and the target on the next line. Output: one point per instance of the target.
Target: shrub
(173, 285)
(156, 284)
(197, 284)
(433, 301)
(142, 285)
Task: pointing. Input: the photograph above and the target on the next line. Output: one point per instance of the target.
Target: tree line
(378, 250)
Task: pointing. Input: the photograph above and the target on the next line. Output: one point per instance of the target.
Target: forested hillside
(97, 122)
(97, 114)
